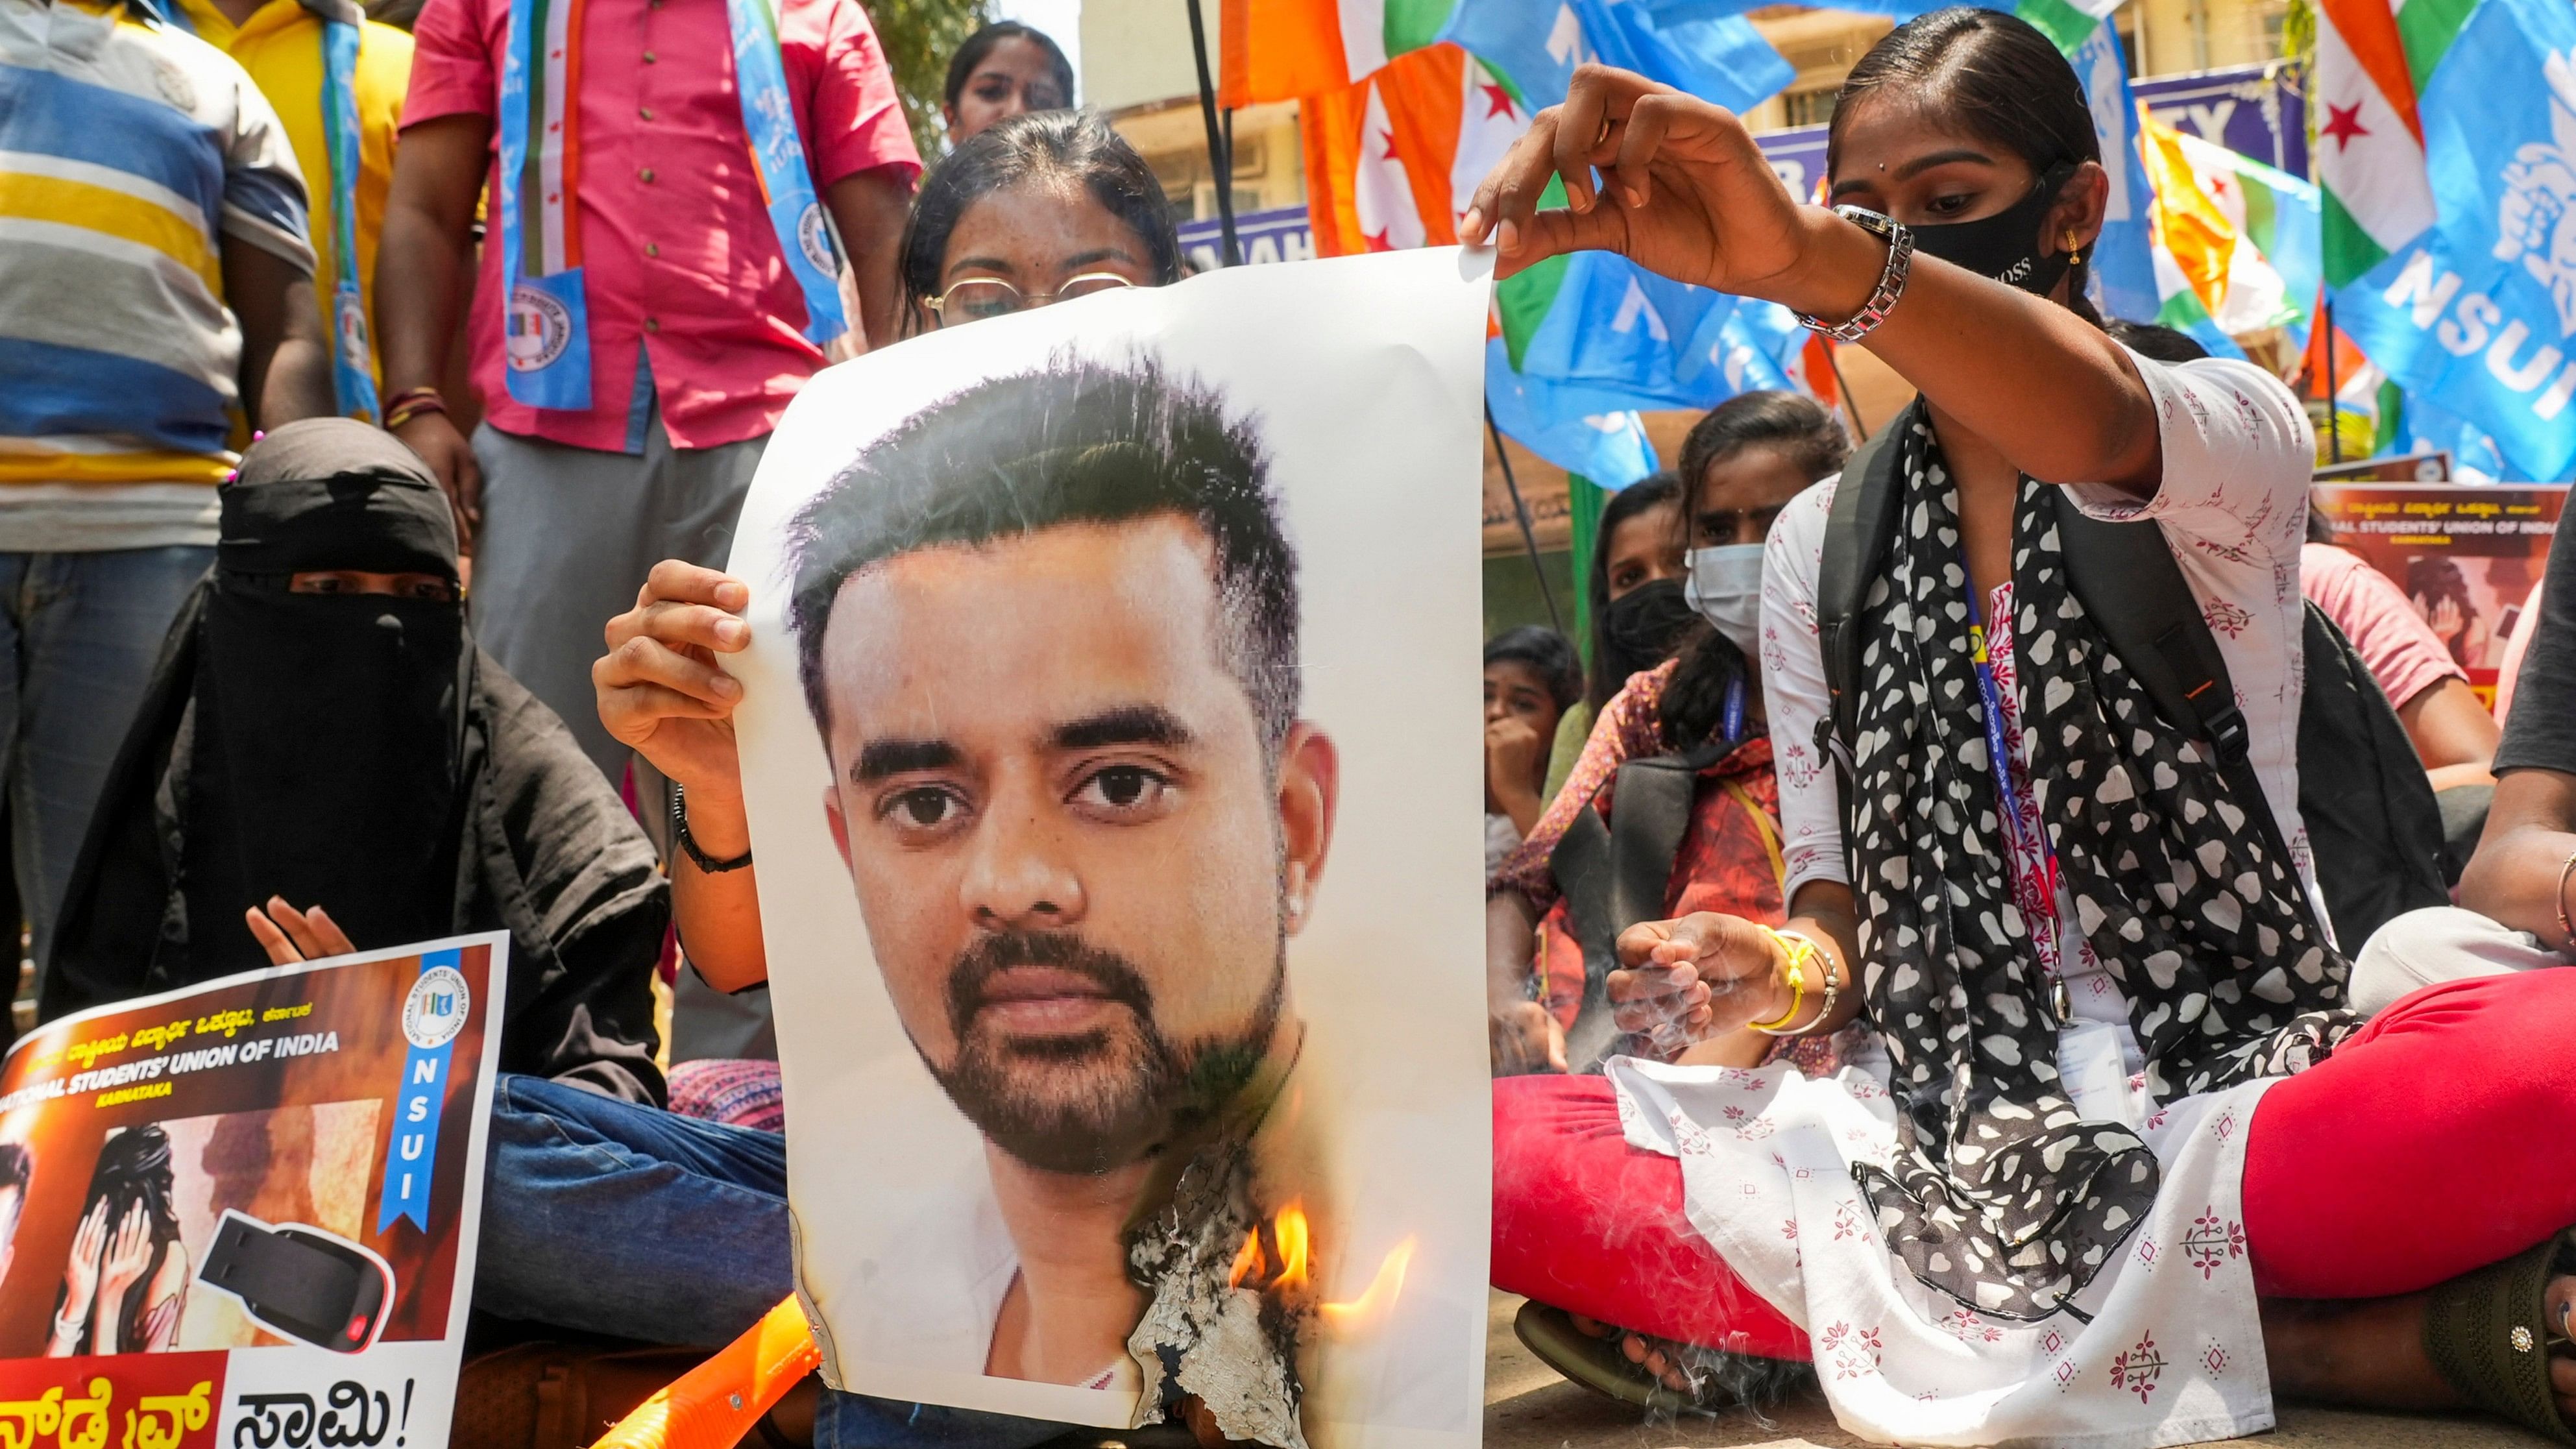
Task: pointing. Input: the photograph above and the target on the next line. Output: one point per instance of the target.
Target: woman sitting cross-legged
(2115, 1164)
(1700, 708)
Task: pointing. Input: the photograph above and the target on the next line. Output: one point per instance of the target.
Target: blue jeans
(611, 1218)
(79, 633)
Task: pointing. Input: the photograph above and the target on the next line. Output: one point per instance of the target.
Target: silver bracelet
(1891, 277)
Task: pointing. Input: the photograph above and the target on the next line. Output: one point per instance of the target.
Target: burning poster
(244, 1213)
(2467, 554)
(1110, 745)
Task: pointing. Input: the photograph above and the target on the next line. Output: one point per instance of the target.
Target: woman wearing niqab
(353, 749)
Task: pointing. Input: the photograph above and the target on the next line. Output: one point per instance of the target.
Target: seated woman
(1531, 679)
(2116, 1165)
(644, 1222)
(1638, 613)
(322, 730)
(1744, 461)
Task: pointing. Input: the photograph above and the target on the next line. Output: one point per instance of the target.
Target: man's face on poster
(1075, 851)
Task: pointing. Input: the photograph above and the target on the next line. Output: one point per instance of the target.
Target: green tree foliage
(919, 37)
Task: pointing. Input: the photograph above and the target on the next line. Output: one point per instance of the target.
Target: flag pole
(1520, 511)
(1850, 404)
(1220, 155)
(2334, 402)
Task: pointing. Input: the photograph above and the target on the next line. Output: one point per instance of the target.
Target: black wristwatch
(680, 832)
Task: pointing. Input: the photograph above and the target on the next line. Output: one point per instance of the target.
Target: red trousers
(2435, 1142)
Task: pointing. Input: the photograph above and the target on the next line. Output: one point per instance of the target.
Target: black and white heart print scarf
(2000, 1193)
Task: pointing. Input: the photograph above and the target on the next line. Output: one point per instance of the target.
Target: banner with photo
(2469, 556)
(1110, 735)
(244, 1213)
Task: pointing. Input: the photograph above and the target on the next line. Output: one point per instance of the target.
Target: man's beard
(1089, 1101)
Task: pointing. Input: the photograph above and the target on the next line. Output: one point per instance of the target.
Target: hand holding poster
(1107, 736)
(245, 1213)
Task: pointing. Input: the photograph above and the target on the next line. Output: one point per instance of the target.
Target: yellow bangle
(1801, 950)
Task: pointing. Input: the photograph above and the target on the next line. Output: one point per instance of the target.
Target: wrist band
(2566, 927)
(680, 832)
(1802, 949)
(410, 403)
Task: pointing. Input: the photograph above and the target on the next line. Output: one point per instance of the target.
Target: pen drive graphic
(300, 1281)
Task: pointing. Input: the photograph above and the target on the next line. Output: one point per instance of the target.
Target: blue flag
(1582, 430)
(2124, 261)
(1616, 325)
(1692, 45)
(2477, 316)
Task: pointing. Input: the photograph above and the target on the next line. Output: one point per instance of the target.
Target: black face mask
(2005, 246)
(1643, 627)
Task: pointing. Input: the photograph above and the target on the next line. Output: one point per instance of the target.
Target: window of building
(1808, 107)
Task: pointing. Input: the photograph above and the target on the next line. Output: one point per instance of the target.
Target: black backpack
(2373, 828)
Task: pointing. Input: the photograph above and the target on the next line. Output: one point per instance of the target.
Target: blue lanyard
(1735, 709)
(1999, 753)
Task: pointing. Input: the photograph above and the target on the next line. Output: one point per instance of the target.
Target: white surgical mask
(1725, 587)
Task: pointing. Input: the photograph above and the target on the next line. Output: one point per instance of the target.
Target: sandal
(2487, 1332)
(1719, 1379)
(1596, 1363)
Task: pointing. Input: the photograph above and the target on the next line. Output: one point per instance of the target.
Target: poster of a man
(1112, 1020)
(1048, 628)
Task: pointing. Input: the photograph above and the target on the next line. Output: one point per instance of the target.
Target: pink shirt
(2401, 651)
(678, 255)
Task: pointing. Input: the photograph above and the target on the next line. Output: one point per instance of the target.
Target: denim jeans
(612, 1218)
(79, 633)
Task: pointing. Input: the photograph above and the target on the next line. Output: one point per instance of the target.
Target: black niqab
(325, 732)
(357, 752)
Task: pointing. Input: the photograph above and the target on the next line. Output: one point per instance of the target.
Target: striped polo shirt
(131, 153)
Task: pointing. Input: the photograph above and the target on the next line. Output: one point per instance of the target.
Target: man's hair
(1079, 442)
(17, 1168)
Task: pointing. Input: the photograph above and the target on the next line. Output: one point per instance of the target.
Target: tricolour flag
(1283, 50)
(1393, 160)
(2476, 313)
(2219, 216)
(2373, 58)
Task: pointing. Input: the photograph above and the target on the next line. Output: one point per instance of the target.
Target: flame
(1382, 1289)
(1291, 1241)
(1247, 1260)
(1291, 1230)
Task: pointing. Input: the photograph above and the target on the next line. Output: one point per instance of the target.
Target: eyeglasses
(976, 298)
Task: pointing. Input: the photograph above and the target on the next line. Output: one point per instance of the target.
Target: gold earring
(2072, 247)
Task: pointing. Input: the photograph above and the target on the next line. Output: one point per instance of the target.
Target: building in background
(1137, 70)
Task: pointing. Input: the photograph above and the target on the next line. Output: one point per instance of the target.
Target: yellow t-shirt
(281, 47)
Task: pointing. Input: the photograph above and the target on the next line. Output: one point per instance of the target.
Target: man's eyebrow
(1133, 724)
(882, 758)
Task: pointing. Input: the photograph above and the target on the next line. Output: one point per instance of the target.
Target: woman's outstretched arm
(1686, 193)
